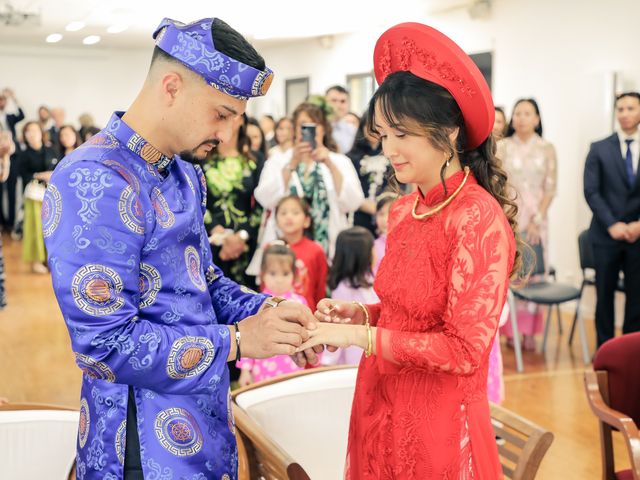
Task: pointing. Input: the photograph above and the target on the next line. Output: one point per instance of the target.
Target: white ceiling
(263, 21)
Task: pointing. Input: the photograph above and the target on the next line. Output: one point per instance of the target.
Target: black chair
(549, 293)
(587, 264)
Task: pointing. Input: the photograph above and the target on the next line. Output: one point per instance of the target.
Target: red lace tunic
(420, 409)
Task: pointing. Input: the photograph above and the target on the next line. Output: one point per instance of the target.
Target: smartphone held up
(308, 134)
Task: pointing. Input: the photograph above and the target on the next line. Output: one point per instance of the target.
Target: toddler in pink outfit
(277, 274)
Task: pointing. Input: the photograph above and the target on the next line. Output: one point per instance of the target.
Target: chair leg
(586, 357)
(514, 329)
(575, 317)
(547, 323)
(559, 319)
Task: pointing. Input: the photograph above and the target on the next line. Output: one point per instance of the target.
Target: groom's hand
(276, 331)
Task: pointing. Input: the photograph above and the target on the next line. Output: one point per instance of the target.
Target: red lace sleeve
(374, 313)
(484, 250)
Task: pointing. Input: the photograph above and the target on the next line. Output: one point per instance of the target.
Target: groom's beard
(199, 154)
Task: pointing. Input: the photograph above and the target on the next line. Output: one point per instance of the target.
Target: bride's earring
(448, 161)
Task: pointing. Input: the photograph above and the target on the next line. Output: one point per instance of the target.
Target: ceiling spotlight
(117, 28)
(91, 39)
(54, 38)
(74, 26)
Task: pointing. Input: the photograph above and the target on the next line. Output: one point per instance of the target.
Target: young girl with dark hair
(420, 408)
(351, 278)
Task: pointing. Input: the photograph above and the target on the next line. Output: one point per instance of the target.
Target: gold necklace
(443, 204)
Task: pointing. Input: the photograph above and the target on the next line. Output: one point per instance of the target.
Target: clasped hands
(627, 232)
(291, 329)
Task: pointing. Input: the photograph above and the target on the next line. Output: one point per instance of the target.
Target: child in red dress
(294, 220)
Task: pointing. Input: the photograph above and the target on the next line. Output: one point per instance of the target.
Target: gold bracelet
(369, 350)
(364, 310)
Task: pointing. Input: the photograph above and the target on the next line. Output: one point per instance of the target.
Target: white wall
(561, 53)
(97, 81)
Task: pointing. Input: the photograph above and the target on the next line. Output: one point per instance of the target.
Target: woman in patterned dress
(326, 179)
(530, 162)
(232, 217)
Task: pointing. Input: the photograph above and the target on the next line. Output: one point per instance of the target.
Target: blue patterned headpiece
(192, 45)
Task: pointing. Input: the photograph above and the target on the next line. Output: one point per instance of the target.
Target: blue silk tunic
(145, 307)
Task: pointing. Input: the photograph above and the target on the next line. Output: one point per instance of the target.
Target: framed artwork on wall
(484, 61)
(361, 87)
(296, 91)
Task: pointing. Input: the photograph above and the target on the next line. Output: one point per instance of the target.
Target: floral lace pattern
(420, 398)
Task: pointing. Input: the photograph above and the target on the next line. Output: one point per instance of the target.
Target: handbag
(34, 191)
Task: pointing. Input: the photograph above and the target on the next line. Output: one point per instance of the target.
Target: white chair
(306, 415)
(37, 442)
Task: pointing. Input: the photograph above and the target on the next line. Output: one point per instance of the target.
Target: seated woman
(325, 178)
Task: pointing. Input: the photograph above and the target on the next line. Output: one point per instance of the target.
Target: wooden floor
(36, 365)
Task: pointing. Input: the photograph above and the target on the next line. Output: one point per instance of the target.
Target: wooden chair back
(524, 443)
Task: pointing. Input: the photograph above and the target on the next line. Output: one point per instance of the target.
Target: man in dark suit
(8, 122)
(612, 190)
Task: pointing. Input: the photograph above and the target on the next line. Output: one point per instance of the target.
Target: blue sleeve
(94, 255)
(231, 302)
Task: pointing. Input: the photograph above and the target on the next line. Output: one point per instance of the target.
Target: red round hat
(431, 55)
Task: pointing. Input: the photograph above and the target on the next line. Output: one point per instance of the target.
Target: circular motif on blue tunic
(178, 432)
(84, 423)
(164, 215)
(94, 369)
(130, 210)
(51, 210)
(96, 289)
(150, 283)
(189, 356)
(125, 173)
(192, 261)
(120, 442)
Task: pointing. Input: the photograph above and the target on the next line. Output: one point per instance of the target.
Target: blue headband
(192, 45)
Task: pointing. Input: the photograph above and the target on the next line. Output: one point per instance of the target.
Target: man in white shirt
(344, 133)
(612, 190)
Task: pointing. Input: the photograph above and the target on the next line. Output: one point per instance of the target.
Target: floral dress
(231, 204)
(532, 169)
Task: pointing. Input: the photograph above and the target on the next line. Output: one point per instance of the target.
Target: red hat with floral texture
(431, 55)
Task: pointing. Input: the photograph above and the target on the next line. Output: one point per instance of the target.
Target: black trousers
(609, 260)
(8, 188)
(132, 461)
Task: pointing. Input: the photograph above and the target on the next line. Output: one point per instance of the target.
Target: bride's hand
(333, 334)
(338, 311)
